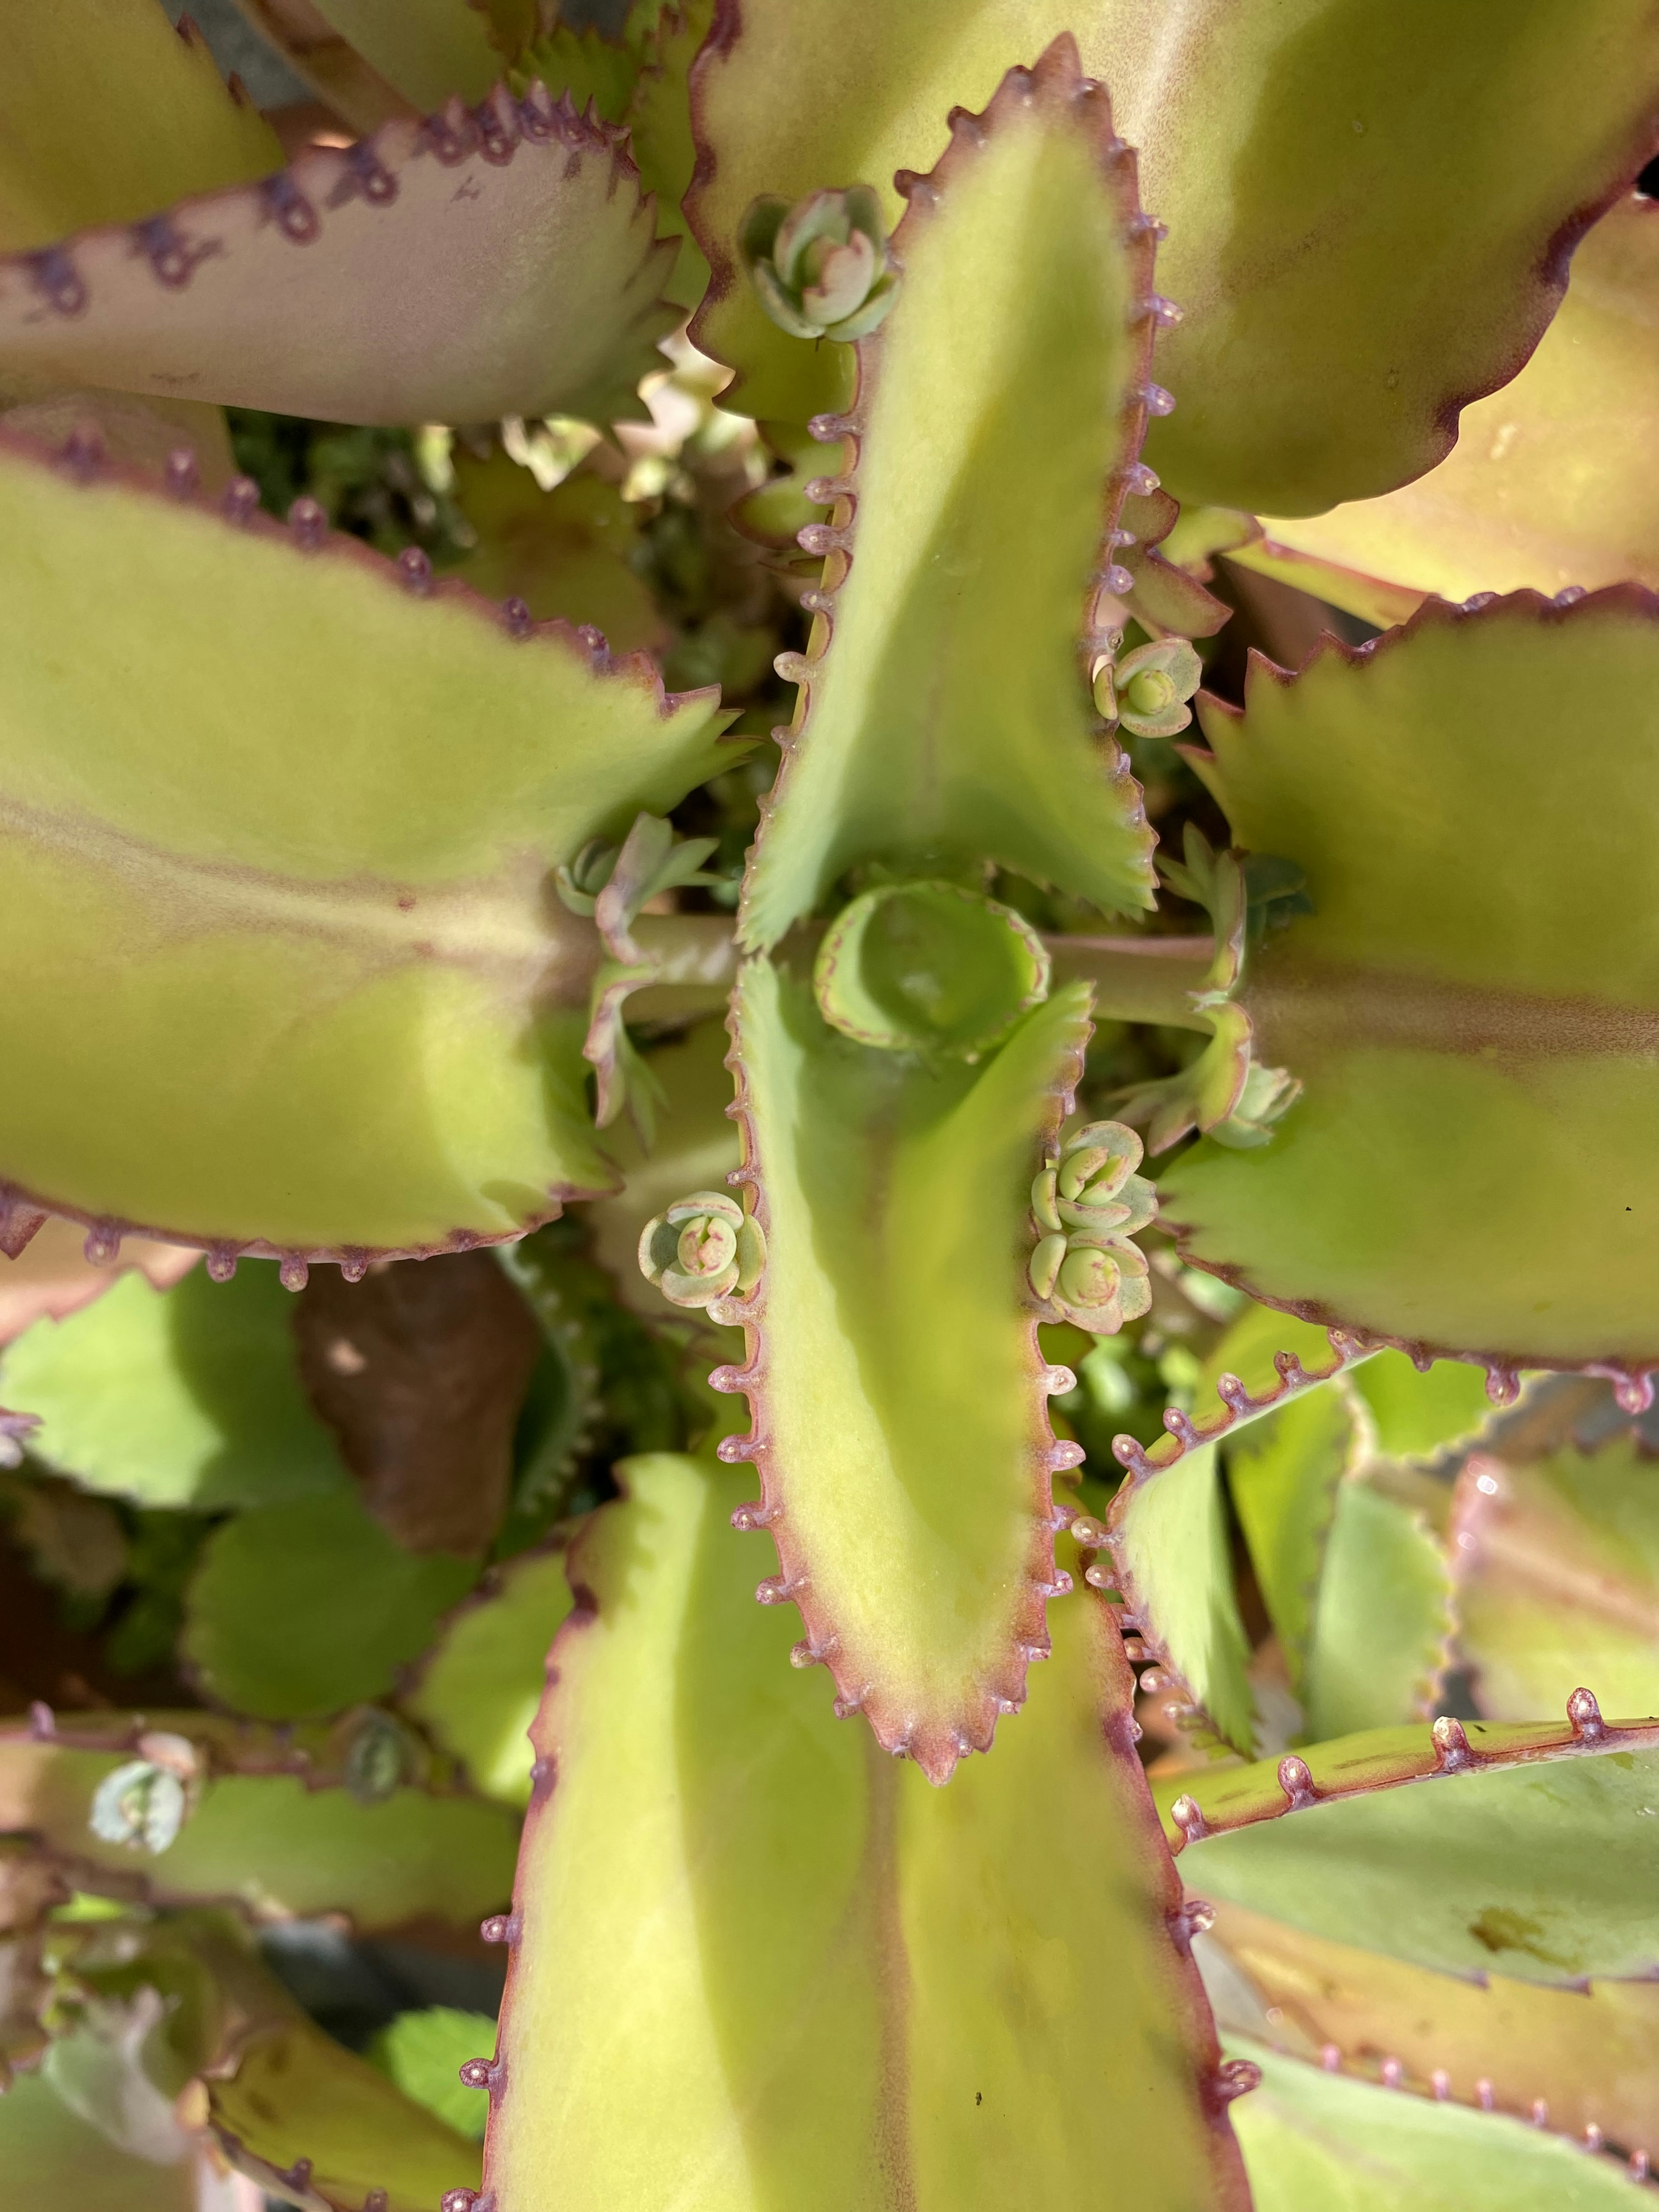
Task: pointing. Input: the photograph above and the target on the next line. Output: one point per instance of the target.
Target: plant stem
(1138, 979)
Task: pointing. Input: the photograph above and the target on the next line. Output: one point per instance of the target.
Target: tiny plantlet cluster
(829, 1221)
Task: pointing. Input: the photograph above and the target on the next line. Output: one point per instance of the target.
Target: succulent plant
(568, 537)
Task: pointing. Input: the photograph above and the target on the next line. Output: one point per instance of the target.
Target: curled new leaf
(822, 268)
(702, 1248)
(1147, 690)
(923, 967)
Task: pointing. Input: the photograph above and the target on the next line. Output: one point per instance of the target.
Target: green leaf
(1416, 1413)
(295, 2094)
(1173, 1563)
(367, 1606)
(659, 126)
(281, 1844)
(429, 49)
(584, 65)
(1283, 1475)
(1469, 1167)
(117, 79)
(424, 2053)
(186, 1397)
(1582, 2053)
(1345, 288)
(52, 2155)
(369, 1035)
(949, 716)
(50, 1277)
(386, 282)
(1551, 481)
(481, 1684)
(1528, 1857)
(1384, 1616)
(855, 1991)
(912, 1508)
(1314, 2141)
(321, 58)
(1558, 1581)
(566, 552)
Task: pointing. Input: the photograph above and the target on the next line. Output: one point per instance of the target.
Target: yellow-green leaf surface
(1355, 247)
(395, 281)
(659, 124)
(1540, 1870)
(479, 1688)
(1283, 1473)
(280, 953)
(429, 50)
(369, 1607)
(113, 76)
(53, 2156)
(1558, 1581)
(1382, 1618)
(1315, 2141)
(185, 1397)
(949, 715)
(567, 552)
(1553, 481)
(1587, 2054)
(283, 1849)
(1470, 1167)
(758, 1964)
(295, 2094)
(899, 1393)
(318, 55)
(424, 2053)
(1174, 1566)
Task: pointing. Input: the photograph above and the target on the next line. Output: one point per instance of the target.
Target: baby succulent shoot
(827, 1216)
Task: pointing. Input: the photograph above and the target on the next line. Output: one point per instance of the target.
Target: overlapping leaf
(482, 1683)
(1468, 1167)
(756, 1963)
(119, 78)
(395, 281)
(898, 1391)
(1550, 483)
(335, 902)
(949, 716)
(1356, 249)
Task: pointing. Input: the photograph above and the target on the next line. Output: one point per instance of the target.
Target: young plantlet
(822, 268)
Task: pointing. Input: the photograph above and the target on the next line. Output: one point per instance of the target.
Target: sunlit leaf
(481, 1685)
(1173, 1565)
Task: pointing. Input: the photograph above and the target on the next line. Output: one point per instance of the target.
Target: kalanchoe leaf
(1307, 372)
(701, 1249)
(375, 1017)
(1478, 1080)
(1470, 1848)
(659, 126)
(317, 291)
(822, 268)
(150, 99)
(1087, 1204)
(948, 720)
(329, 63)
(929, 967)
(427, 49)
(839, 1957)
(1551, 483)
(1557, 1568)
(482, 1681)
(913, 1515)
(1312, 2139)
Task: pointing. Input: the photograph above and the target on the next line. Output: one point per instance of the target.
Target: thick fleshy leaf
(1314, 2140)
(1553, 481)
(950, 715)
(659, 124)
(115, 78)
(898, 1390)
(368, 1607)
(275, 1842)
(1173, 1563)
(334, 69)
(755, 1964)
(295, 2094)
(427, 49)
(390, 282)
(480, 1686)
(565, 552)
(423, 2052)
(1283, 1473)
(1517, 1854)
(185, 1397)
(51, 1278)
(1584, 2056)
(1355, 247)
(1383, 1620)
(372, 1022)
(1469, 1166)
(1558, 1581)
